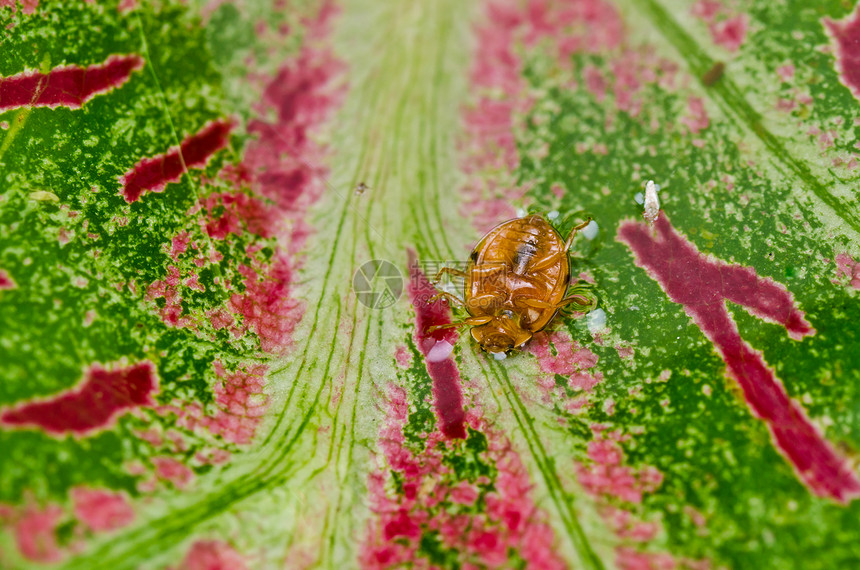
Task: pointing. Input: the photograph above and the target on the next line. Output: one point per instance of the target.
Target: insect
(714, 74)
(516, 281)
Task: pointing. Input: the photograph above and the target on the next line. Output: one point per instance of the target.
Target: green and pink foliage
(187, 380)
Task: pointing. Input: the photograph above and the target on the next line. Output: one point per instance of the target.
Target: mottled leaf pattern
(218, 337)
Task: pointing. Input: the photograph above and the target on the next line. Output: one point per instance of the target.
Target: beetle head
(501, 334)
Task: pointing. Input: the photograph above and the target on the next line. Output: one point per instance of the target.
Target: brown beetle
(516, 282)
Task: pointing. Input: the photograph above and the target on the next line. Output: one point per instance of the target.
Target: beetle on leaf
(516, 282)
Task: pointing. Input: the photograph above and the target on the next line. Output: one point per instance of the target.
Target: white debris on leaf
(590, 231)
(596, 320)
(640, 198)
(652, 203)
(499, 355)
(521, 213)
(552, 215)
(440, 351)
(44, 196)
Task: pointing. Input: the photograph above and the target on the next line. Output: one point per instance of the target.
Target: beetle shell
(517, 261)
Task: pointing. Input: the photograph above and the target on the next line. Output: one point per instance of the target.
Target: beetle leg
(573, 233)
(483, 303)
(538, 304)
(547, 262)
(448, 297)
(448, 326)
(471, 321)
(585, 303)
(449, 271)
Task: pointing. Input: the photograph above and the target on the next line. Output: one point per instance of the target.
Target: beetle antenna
(448, 326)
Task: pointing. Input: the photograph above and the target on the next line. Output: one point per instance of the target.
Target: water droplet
(440, 351)
(596, 320)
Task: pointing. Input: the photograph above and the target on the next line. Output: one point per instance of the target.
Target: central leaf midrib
(155, 535)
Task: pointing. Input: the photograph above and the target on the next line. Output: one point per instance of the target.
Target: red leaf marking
(626, 526)
(627, 558)
(70, 86)
(489, 143)
(785, 72)
(179, 245)
(448, 400)
(579, 25)
(706, 10)
(100, 509)
(168, 289)
(35, 527)
(93, 405)
(702, 286)
(153, 174)
(845, 34)
(6, 281)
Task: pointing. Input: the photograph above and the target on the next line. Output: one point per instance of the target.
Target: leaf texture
(218, 225)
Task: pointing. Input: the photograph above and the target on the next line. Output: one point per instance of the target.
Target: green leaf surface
(199, 367)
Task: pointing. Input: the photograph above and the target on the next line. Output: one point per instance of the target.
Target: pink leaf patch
(101, 510)
(212, 555)
(569, 359)
(266, 305)
(35, 533)
(847, 270)
(240, 211)
(844, 34)
(696, 118)
(172, 470)
(506, 520)
(727, 29)
(730, 33)
(241, 405)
